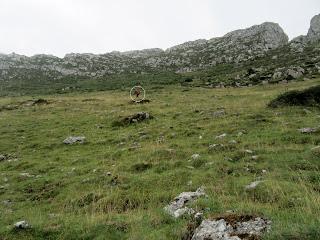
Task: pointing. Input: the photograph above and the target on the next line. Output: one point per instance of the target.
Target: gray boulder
(177, 207)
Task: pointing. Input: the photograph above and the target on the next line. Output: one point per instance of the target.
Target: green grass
(71, 196)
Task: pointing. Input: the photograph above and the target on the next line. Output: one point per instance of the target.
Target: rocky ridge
(236, 48)
(189, 56)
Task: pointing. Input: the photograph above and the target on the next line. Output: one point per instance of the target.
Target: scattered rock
(221, 136)
(253, 185)
(73, 140)
(3, 157)
(294, 73)
(21, 225)
(308, 130)
(315, 148)
(239, 134)
(232, 227)
(215, 146)
(177, 207)
(25, 174)
(137, 117)
(219, 113)
(140, 102)
(195, 156)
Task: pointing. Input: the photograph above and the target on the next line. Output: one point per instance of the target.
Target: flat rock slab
(73, 140)
(232, 227)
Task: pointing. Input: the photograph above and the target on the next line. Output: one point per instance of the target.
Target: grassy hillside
(116, 184)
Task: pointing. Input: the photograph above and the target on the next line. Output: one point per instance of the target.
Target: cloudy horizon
(59, 27)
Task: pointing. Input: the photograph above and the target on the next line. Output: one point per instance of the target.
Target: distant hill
(259, 54)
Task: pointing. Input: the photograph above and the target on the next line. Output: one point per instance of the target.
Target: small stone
(2, 157)
(253, 185)
(21, 225)
(219, 113)
(195, 156)
(213, 146)
(240, 134)
(315, 148)
(26, 175)
(221, 136)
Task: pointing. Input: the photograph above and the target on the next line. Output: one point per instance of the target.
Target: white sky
(99, 26)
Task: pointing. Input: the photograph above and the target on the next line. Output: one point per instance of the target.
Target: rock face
(270, 35)
(313, 35)
(314, 31)
(222, 230)
(234, 47)
(177, 207)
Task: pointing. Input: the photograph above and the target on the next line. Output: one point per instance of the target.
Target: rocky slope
(236, 47)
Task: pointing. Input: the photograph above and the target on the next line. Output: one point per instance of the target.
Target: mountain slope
(237, 49)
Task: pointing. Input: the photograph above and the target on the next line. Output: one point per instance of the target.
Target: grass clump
(308, 97)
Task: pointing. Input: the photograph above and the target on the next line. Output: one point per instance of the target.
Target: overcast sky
(98, 26)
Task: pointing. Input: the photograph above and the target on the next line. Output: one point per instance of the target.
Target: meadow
(116, 184)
